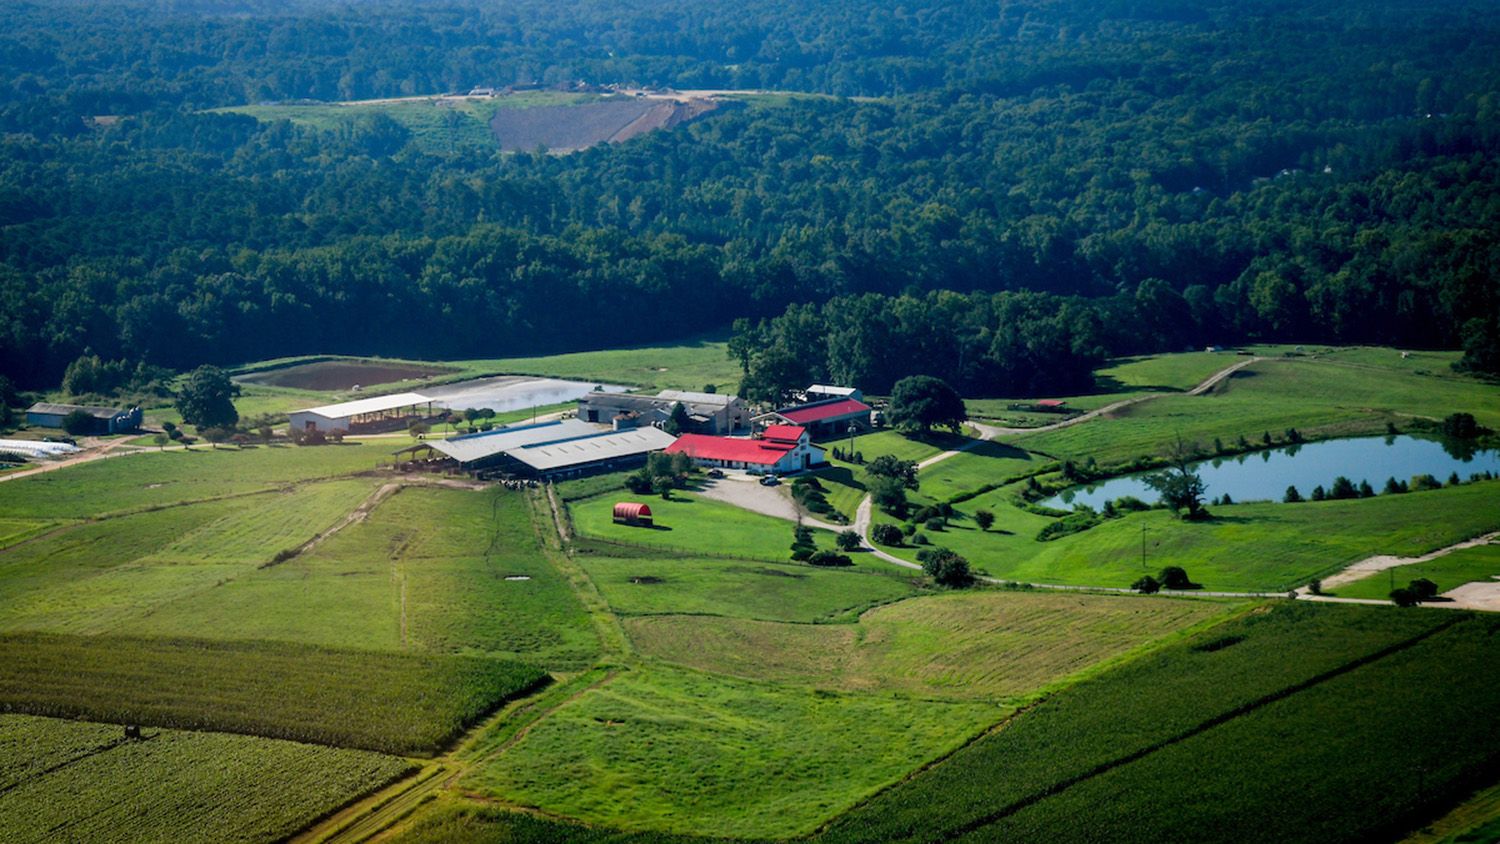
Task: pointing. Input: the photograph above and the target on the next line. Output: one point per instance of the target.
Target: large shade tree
(206, 399)
(921, 403)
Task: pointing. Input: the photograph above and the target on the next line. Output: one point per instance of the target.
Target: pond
(512, 392)
(1265, 475)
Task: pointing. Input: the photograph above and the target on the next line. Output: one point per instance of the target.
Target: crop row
(1133, 710)
(174, 786)
(1368, 755)
(397, 703)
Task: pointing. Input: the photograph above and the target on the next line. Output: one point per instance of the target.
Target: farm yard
(312, 610)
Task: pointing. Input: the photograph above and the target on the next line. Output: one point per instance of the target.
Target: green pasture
(83, 782)
(846, 483)
(1121, 378)
(362, 699)
(1480, 564)
(151, 479)
(13, 531)
(448, 820)
(426, 571)
(689, 524)
(1166, 696)
(1382, 750)
(649, 584)
(1164, 373)
(988, 464)
(996, 646)
(1271, 547)
(660, 748)
(1319, 398)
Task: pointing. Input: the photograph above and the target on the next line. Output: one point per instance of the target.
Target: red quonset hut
(631, 513)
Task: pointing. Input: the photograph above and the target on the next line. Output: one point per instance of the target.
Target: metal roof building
(107, 420)
(348, 415)
(594, 451)
(548, 449)
(475, 449)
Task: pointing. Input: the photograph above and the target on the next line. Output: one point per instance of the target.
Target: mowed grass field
(1196, 691)
(652, 584)
(362, 699)
(67, 780)
(1000, 646)
(430, 569)
(690, 524)
(1450, 571)
(674, 750)
(1245, 547)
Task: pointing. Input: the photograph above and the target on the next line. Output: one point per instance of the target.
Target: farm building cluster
(613, 431)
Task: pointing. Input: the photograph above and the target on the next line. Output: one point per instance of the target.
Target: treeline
(1217, 173)
(1006, 344)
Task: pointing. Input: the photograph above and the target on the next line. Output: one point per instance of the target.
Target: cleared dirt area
(340, 374)
(565, 128)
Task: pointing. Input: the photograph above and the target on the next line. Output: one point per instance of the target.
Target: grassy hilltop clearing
(438, 644)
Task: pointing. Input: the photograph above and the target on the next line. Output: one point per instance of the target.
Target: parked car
(716, 473)
(770, 480)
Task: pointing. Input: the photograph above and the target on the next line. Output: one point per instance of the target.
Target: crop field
(82, 782)
(341, 374)
(1450, 571)
(651, 584)
(441, 570)
(981, 646)
(93, 576)
(688, 524)
(677, 751)
(358, 699)
(1367, 772)
(1174, 693)
(153, 479)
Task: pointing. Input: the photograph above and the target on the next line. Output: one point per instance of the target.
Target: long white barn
(372, 412)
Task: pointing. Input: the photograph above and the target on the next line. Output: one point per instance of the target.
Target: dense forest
(1084, 179)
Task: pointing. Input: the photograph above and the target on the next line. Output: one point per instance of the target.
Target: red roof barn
(780, 448)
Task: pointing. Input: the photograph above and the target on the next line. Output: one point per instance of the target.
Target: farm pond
(1265, 475)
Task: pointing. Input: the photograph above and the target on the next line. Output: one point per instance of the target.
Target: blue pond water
(1265, 475)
